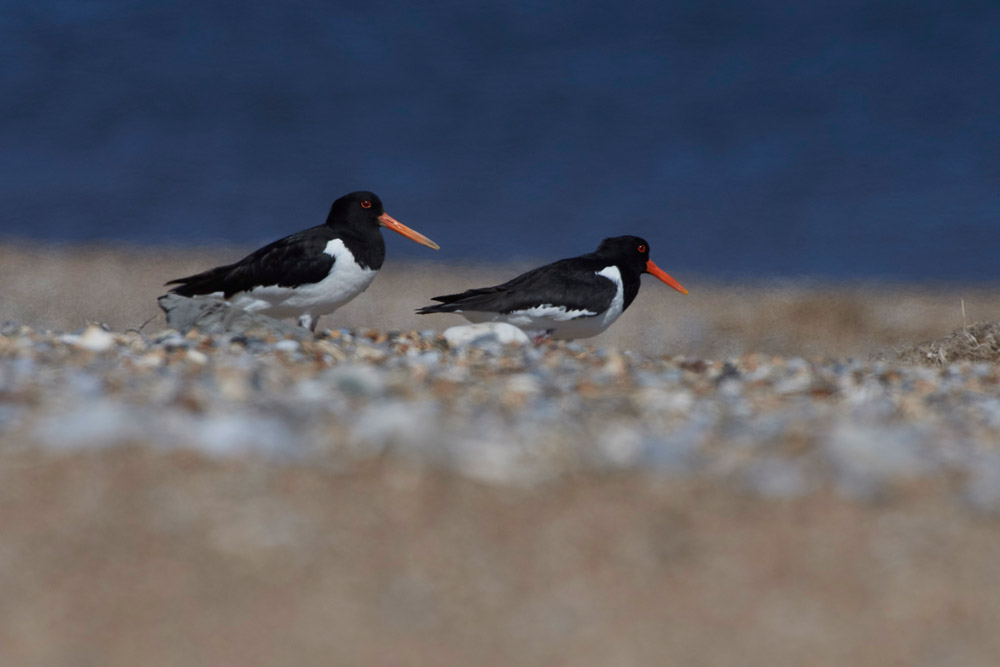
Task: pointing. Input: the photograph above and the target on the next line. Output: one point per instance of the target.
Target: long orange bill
(412, 234)
(664, 276)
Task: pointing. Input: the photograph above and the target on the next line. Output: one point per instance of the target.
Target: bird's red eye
(366, 204)
(641, 248)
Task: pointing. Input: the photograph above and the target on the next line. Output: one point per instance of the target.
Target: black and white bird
(573, 298)
(310, 273)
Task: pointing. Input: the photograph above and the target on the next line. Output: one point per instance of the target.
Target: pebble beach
(795, 462)
(509, 414)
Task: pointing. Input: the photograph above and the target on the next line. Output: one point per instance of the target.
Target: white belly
(345, 281)
(564, 324)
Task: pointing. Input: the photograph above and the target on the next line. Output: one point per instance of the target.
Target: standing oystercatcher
(309, 273)
(573, 298)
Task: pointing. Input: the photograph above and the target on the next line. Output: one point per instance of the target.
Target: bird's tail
(473, 299)
(439, 308)
(206, 282)
(449, 303)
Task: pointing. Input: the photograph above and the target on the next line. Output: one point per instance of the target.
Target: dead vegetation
(979, 342)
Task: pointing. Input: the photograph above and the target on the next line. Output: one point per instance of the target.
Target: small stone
(358, 379)
(170, 339)
(621, 446)
(368, 353)
(485, 334)
(287, 345)
(523, 383)
(332, 350)
(95, 339)
(232, 384)
(196, 357)
(615, 364)
(153, 359)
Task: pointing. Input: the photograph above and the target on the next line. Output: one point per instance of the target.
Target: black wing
(295, 260)
(572, 283)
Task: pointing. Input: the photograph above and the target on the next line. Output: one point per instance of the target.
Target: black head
(627, 252)
(631, 255)
(355, 209)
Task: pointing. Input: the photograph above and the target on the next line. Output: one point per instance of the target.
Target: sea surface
(840, 140)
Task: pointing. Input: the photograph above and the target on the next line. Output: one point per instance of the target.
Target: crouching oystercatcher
(573, 298)
(310, 273)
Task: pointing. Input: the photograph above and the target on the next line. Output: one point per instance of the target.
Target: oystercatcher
(573, 298)
(309, 273)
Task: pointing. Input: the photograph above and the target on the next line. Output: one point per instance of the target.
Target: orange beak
(412, 234)
(664, 276)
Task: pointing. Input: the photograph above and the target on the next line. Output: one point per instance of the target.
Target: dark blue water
(844, 139)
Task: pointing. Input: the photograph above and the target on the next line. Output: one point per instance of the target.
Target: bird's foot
(543, 337)
(308, 322)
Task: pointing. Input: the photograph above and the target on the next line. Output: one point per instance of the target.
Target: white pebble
(485, 333)
(93, 338)
(523, 383)
(196, 357)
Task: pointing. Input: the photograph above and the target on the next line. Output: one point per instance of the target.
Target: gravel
(509, 413)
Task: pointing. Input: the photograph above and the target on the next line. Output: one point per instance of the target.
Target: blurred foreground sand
(136, 557)
(132, 558)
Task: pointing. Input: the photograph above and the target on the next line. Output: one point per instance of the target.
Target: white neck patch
(618, 301)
